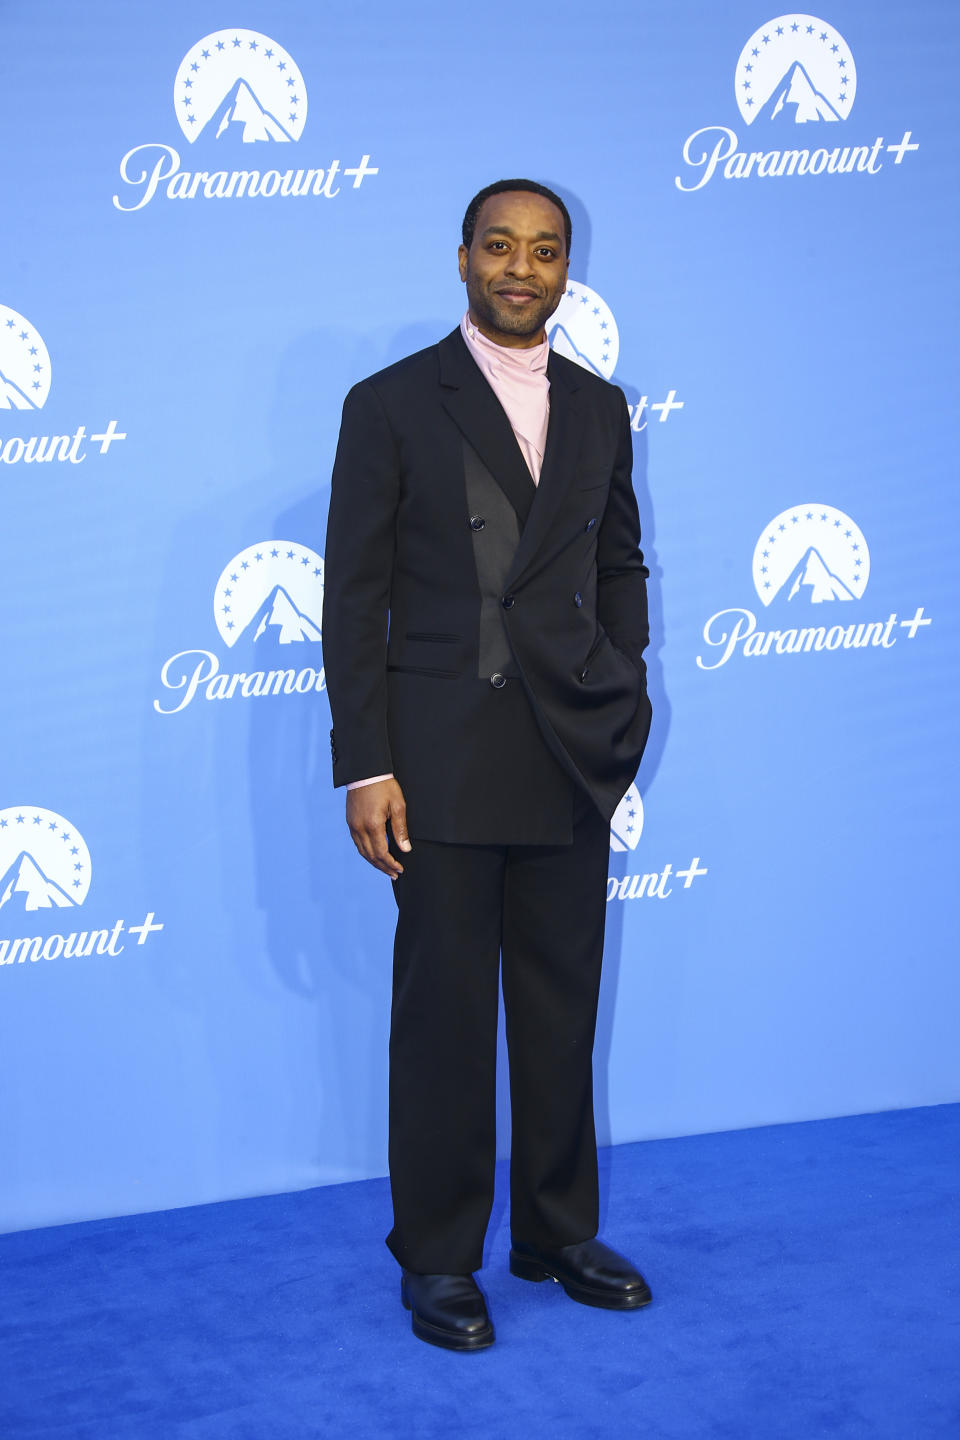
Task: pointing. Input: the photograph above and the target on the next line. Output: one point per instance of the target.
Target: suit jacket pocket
(594, 648)
(599, 651)
(428, 670)
(593, 481)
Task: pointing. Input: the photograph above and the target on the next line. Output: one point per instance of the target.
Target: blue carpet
(806, 1283)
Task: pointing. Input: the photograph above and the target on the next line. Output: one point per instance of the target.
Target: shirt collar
(533, 358)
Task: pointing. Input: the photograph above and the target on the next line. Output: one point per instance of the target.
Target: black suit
(483, 641)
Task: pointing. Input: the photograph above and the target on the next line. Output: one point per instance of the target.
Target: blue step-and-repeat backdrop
(216, 219)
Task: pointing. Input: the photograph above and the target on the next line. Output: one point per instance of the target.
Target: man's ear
(462, 260)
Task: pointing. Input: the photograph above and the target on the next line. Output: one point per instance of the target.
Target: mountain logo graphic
(797, 70)
(813, 577)
(27, 888)
(242, 114)
(44, 860)
(561, 342)
(24, 363)
(797, 92)
(271, 594)
(811, 555)
(583, 329)
(278, 618)
(11, 397)
(626, 826)
(240, 86)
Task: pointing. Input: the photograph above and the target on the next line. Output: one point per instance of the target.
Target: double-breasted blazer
(483, 637)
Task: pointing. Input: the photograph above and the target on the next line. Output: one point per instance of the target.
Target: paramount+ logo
(811, 566)
(238, 96)
(267, 606)
(795, 83)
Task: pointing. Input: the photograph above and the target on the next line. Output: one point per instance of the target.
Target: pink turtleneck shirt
(518, 378)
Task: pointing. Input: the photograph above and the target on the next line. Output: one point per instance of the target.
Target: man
(484, 625)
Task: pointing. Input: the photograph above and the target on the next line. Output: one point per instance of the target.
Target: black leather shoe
(448, 1310)
(589, 1272)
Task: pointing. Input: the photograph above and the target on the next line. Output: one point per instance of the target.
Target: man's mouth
(517, 296)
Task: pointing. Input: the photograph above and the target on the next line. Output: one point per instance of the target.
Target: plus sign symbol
(361, 171)
(918, 621)
(661, 408)
(693, 870)
(665, 406)
(107, 437)
(902, 147)
(144, 931)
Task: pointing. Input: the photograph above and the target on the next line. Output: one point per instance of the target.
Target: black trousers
(462, 907)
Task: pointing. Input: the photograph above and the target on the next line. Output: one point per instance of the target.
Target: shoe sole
(527, 1269)
(446, 1339)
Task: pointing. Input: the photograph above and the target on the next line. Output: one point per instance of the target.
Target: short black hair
(533, 187)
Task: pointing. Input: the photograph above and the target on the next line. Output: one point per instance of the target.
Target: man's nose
(520, 264)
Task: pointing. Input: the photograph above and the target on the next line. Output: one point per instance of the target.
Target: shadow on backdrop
(329, 916)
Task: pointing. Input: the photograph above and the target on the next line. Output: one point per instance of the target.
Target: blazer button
(578, 599)
(477, 522)
(590, 523)
(497, 680)
(508, 602)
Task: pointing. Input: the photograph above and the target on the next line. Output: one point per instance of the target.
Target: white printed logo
(45, 868)
(626, 826)
(583, 329)
(794, 80)
(44, 860)
(271, 593)
(25, 386)
(244, 94)
(24, 363)
(796, 69)
(269, 602)
(812, 553)
(239, 85)
(806, 558)
(625, 830)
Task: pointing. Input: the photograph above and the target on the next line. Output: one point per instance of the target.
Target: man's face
(516, 269)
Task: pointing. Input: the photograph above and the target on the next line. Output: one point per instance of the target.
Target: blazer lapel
(481, 418)
(564, 434)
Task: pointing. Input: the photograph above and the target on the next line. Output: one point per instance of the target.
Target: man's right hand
(368, 809)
